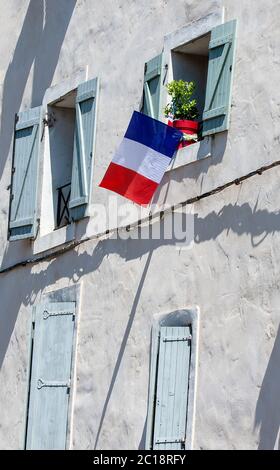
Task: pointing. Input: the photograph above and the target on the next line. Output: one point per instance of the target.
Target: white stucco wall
(231, 273)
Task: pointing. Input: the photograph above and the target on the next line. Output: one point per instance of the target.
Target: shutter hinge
(33, 329)
(12, 197)
(165, 73)
(49, 119)
(169, 440)
(180, 338)
(145, 68)
(37, 227)
(47, 314)
(41, 384)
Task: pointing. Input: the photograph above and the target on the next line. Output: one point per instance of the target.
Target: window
(189, 62)
(208, 60)
(169, 388)
(61, 123)
(68, 135)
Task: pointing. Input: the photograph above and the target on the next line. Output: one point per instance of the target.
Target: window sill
(53, 239)
(192, 153)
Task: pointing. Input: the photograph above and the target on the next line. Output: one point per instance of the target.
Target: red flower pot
(186, 126)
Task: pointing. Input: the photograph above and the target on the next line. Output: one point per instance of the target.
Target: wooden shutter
(23, 207)
(86, 106)
(171, 399)
(50, 376)
(219, 80)
(152, 87)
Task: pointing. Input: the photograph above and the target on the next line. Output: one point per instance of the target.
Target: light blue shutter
(50, 376)
(152, 87)
(172, 388)
(86, 107)
(219, 80)
(23, 207)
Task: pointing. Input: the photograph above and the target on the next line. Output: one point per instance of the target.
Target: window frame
(191, 32)
(182, 36)
(48, 238)
(53, 95)
(184, 317)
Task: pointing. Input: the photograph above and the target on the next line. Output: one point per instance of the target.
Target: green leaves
(181, 105)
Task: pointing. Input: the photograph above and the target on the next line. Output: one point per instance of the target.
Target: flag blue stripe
(154, 134)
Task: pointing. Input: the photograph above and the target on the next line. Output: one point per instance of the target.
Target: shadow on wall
(39, 43)
(241, 220)
(267, 415)
(122, 348)
(74, 265)
(194, 170)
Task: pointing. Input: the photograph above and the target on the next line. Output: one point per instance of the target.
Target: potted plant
(182, 112)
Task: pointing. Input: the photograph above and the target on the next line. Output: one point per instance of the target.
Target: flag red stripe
(128, 183)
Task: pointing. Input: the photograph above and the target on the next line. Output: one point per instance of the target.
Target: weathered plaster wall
(73, 35)
(232, 271)
(231, 274)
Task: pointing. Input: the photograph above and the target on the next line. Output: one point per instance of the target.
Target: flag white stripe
(144, 160)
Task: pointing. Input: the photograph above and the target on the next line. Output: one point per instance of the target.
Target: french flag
(142, 158)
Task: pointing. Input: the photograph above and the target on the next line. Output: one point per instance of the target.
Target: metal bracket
(48, 121)
(41, 384)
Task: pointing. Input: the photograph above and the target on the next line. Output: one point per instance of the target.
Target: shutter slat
(215, 112)
(219, 79)
(172, 389)
(152, 87)
(84, 141)
(223, 40)
(21, 223)
(50, 376)
(148, 100)
(22, 124)
(82, 154)
(23, 208)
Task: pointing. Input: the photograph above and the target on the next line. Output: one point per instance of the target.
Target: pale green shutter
(86, 107)
(171, 400)
(50, 376)
(152, 87)
(219, 80)
(23, 206)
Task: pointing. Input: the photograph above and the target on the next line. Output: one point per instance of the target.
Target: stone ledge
(192, 153)
(54, 239)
